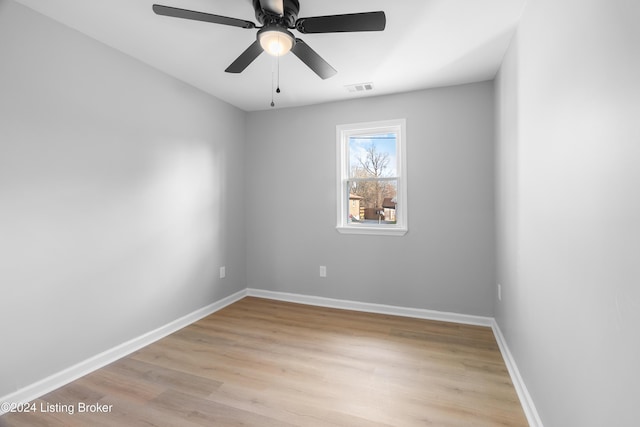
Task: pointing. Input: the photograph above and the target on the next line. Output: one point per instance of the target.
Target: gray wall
(568, 102)
(120, 196)
(447, 259)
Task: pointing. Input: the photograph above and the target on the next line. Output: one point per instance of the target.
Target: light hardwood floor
(266, 363)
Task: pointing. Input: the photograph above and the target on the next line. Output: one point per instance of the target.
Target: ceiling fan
(277, 18)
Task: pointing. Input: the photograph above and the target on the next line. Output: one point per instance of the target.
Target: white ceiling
(426, 43)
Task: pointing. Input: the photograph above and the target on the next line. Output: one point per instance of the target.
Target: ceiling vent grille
(360, 87)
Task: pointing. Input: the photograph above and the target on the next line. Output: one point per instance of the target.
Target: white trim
(381, 231)
(72, 373)
(419, 313)
(526, 401)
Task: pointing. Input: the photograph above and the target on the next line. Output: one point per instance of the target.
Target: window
(372, 184)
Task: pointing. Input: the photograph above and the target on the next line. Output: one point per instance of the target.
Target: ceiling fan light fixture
(276, 41)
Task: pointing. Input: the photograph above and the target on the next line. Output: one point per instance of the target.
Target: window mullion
(386, 178)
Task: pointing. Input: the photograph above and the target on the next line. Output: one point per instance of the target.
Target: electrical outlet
(323, 271)
(223, 272)
(499, 292)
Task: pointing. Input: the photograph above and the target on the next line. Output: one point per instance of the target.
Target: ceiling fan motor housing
(288, 20)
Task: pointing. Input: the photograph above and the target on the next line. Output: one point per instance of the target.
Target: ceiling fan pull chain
(273, 104)
(278, 71)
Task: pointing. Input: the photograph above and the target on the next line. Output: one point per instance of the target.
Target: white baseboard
(393, 310)
(523, 394)
(46, 385)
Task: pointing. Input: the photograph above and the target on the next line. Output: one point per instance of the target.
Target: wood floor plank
(147, 373)
(260, 362)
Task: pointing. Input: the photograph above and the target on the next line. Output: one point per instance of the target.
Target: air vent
(360, 87)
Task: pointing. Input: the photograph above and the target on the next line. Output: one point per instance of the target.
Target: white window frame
(343, 133)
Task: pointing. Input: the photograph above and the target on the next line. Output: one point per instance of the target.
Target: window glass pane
(372, 201)
(373, 155)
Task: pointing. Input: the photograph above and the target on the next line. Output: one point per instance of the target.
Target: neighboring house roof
(388, 203)
(355, 197)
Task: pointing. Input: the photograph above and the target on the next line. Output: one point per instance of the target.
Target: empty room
(304, 213)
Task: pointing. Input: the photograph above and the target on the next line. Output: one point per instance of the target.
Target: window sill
(378, 231)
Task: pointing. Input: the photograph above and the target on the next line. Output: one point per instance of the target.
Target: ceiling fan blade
(201, 16)
(313, 60)
(352, 22)
(246, 58)
(273, 6)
